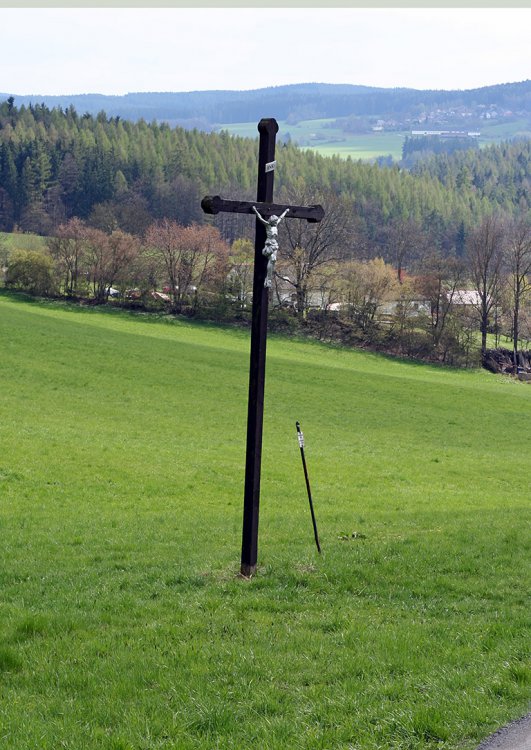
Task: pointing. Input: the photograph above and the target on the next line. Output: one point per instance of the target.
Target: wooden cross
(267, 129)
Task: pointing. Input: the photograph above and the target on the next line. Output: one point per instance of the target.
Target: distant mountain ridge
(303, 101)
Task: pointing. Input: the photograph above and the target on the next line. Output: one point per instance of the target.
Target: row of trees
(434, 310)
(84, 262)
(499, 255)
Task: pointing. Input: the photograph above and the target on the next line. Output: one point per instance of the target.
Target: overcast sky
(120, 50)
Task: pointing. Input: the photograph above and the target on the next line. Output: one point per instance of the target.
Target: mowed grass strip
(123, 623)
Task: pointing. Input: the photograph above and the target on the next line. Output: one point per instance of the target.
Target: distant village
(437, 118)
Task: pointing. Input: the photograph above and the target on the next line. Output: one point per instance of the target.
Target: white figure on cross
(271, 245)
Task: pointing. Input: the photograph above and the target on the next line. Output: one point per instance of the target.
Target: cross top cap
(268, 124)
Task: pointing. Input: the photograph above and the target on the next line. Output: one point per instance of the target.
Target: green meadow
(123, 622)
(19, 241)
(317, 135)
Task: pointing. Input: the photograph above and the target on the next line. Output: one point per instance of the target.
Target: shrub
(32, 271)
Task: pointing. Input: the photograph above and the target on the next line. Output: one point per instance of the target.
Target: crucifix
(268, 216)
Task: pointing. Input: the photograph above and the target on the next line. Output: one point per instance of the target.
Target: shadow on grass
(238, 327)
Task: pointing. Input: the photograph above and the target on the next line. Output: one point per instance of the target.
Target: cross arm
(213, 204)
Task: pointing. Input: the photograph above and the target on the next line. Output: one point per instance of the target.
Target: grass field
(314, 135)
(318, 136)
(21, 241)
(123, 624)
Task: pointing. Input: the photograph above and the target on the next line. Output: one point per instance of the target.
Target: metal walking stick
(301, 446)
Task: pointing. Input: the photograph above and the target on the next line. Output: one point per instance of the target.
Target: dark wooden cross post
(268, 129)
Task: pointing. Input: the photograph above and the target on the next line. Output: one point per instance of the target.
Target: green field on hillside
(20, 241)
(318, 136)
(363, 146)
(123, 624)
(494, 132)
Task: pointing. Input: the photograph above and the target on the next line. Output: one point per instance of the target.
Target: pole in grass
(301, 446)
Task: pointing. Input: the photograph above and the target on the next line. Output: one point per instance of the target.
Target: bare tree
(442, 277)
(306, 248)
(405, 241)
(484, 248)
(518, 260)
(108, 257)
(240, 276)
(124, 249)
(163, 238)
(205, 260)
(68, 249)
(192, 257)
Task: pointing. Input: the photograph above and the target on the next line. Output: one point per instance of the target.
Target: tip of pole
(268, 123)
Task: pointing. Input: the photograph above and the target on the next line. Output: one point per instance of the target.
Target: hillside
(501, 174)
(123, 622)
(298, 101)
(56, 164)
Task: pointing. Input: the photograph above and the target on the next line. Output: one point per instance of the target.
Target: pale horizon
(116, 51)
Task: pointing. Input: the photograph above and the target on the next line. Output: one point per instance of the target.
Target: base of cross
(247, 571)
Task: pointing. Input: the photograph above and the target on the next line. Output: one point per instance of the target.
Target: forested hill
(501, 174)
(304, 101)
(55, 164)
